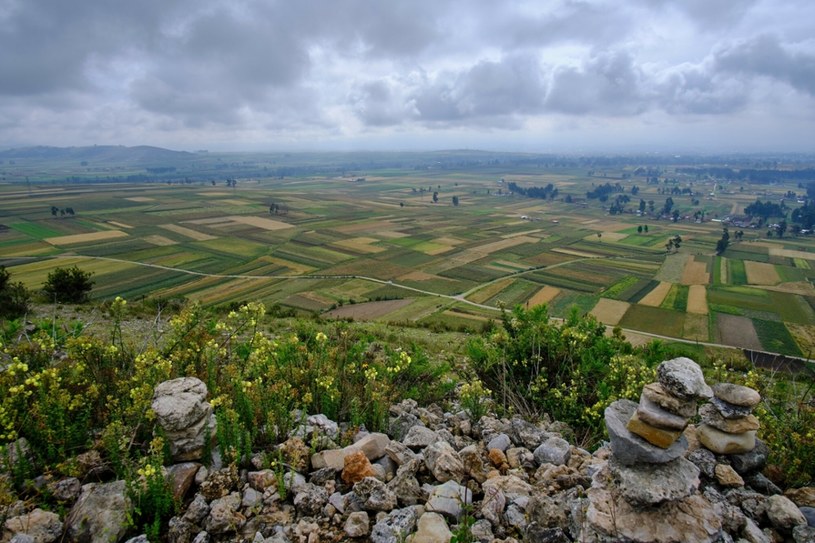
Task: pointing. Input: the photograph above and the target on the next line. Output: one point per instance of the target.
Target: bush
(68, 285)
(14, 297)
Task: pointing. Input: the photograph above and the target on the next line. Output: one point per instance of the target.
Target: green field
(334, 239)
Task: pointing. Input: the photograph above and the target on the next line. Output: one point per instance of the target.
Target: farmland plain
(453, 244)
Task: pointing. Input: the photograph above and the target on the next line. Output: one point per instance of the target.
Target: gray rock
(432, 528)
(202, 537)
(526, 434)
(185, 416)
(395, 526)
(535, 533)
(493, 505)
(405, 486)
(553, 451)
(758, 482)
(401, 425)
(724, 443)
(736, 394)
(319, 425)
(372, 445)
(710, 415)
(514, 489)
(520, 457)
(12, 453)
(66, 490)
(729, 410)
(100, 514)
(399, 452)
(448, 499)
(516, 518)
(224, 516)
(751, 461)
(22, 538)
(310, 499)
(500, 442)
(651, 484)
(374, 495)
(322, 476)
(683, 378)
(752, 503)
(657, 394)
(704, 460)
(251, 498)
(651, 413)
(443, 462)
(41, 526)
(481, 531)
(197, 510)
(357, 524)
(784, 514)
(809, 514)
(631, 449)
(803, 534)
(138, 539)
(419, 437)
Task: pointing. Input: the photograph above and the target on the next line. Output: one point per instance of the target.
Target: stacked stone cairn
(728, 424)
(647, 482)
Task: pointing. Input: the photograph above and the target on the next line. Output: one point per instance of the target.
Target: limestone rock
(473, 463)
(651, 484)
(448, 499)
(656, 393)
(41, 526)
(802, 497)
(526, 434)
(432, 529)
(554, 450)
(750, 461)
(224, 516)
(295, 453)
(357, 467)
(724, 443)
(310, 499)
(357, 524)
(727, 476)
(656, 436)
(632, 449)
(393, 527)
(373, 445)
(185, 416)
(419, 437)
(500, 441)
(736, 394)
(316, 425)
(374, 495)
(784, 514)
(711, 416)
(399, 452)
(443, 462)
(481, 531)
(493, 505)
(401, 424)
(100, 514)
(729, 410)
(704, 460)
(683, 378)
(65, 490)
(651, 413)
(181, 476)
(514, 488)
(803, 534)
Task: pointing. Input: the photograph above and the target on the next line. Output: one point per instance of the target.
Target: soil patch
(695, 273)
(85, 238)
(188, 232)
(610, 311)
(544, 296)
(697, 299)
(737, 331)
(761, 273)
(159, 240)
(655, 297)
(260, 222)
(368, 310)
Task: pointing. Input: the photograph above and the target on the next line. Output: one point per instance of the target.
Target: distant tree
(54, 210)
(669, 204)
(645, 228)
(639, 229)
(455, 201)
(69, 211)
(70, 285)
(635, 190)
(435, 197)
(401, 204)
(675, 215)
(599, 235)
(14, 297)
(724, 241)
(642, 205)
(782, 227)
(739, 234)
(213, 182)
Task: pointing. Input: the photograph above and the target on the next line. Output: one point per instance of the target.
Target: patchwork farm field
(441, 247)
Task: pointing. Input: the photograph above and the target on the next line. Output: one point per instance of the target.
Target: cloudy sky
(545, 75)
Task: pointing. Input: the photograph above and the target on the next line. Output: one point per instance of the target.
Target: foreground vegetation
(67, 390)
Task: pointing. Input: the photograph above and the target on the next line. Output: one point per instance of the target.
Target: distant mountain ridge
(96, 153)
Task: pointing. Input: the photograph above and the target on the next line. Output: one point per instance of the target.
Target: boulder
(399, 452)
(101, 514)
(419, 437)
(310, 499)
(501, 442)
(40, 526)
(432, 528)
(784, 514)
(65, 490)
(724, 443)
(683, 378)
(185, 416)
(751, 461)
(736, 394)
(630, 449)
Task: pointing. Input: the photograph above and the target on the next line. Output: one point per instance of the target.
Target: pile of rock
(186, 417)
(728, 424)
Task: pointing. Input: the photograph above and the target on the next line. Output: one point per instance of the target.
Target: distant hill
(108, 154)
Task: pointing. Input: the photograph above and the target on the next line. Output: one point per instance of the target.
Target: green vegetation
(70, 285)
(775, 337)
(14, 297)
(676, 299)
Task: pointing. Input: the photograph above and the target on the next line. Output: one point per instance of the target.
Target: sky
(539, 76)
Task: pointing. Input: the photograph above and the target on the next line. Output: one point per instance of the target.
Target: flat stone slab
(724, 443)
(631, 449)
(655, 393)
(656, 436)
(710, 415)
(651, 484)
(736, 394)
(730, 410)
(651, 413)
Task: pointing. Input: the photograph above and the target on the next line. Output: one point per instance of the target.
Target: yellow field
(159, 240)
(477, 253)
(655, 297)
(544, 296)
(610, 311)
(608, 236)
(188, 232)
(260, 222)
(790, 253)
(85, 238)
(367, 226)
(141, 199)
(298, 268)
(573, 252)
(119, 224)
(695, 273)
(484, 294)
(697, 299)
(761, 273)
(696, 327)
(360, 245)
(418, 275)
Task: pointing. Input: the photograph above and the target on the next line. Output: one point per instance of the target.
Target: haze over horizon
(553, 76)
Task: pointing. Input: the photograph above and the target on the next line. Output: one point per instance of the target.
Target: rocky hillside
(438, 476)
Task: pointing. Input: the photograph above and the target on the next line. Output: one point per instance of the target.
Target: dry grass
(697, 300)
(484, 294)
(260, 222)
(655, 297)
(761, 273)
(360, 245)
(573, 252)
(119, 224)
(418, 275)
(159, 240)
(610, 311)
(804, 335)
(141, 199)
(85, 238)
(696, 327)
(544, 296)
(695, 273)
(369, 310)
(187, 232)
(607, 236)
